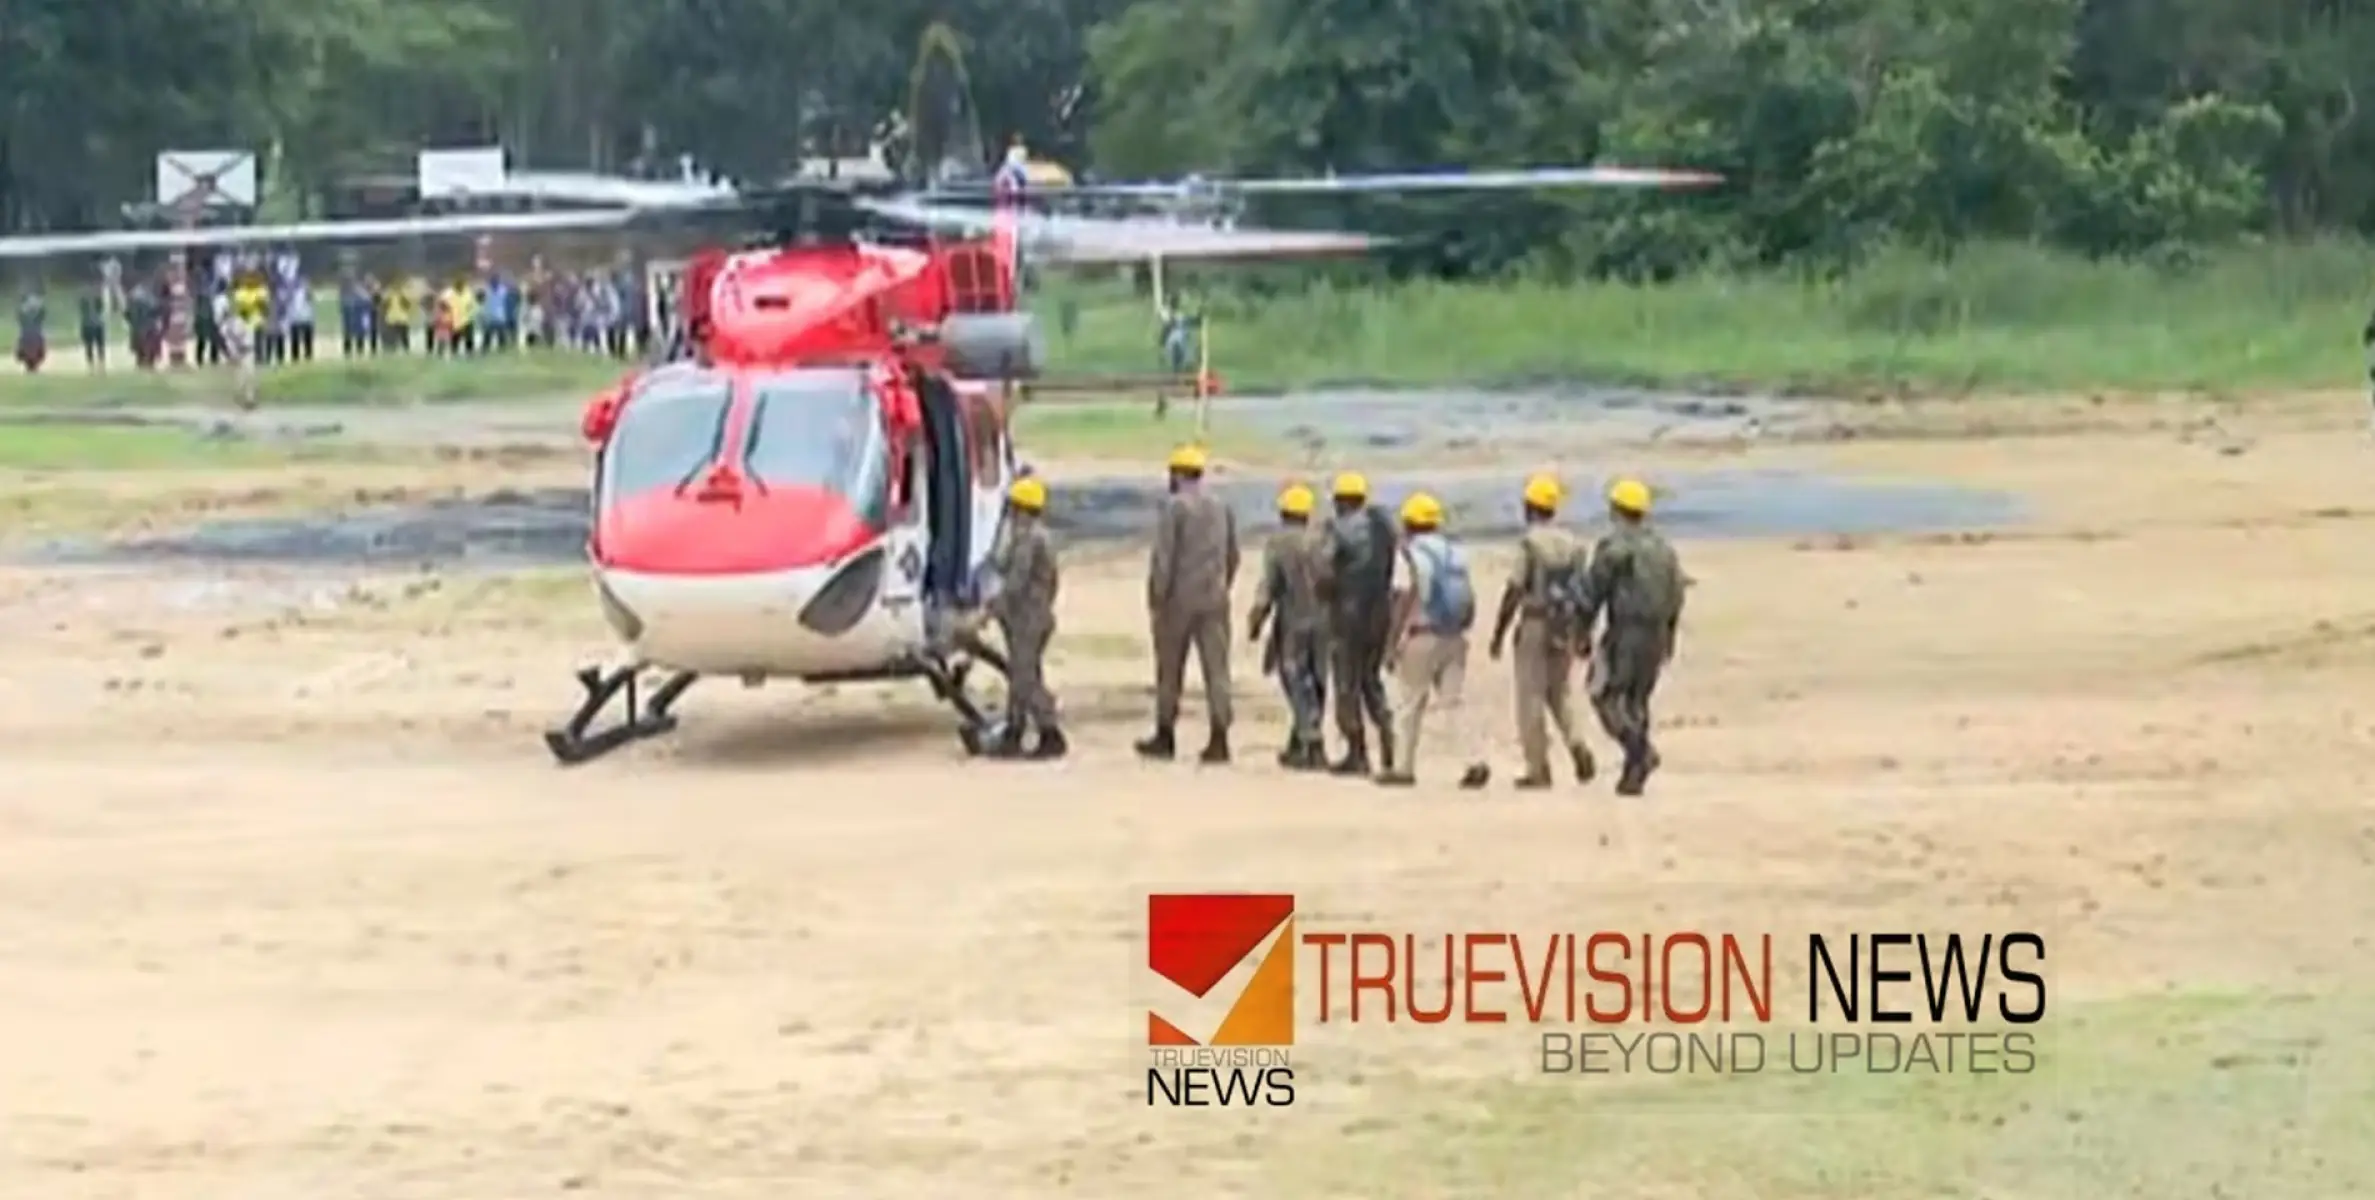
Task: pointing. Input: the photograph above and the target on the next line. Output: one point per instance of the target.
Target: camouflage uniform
(1634, 582)
(1361, 545)
(1293, 565)
(1025, 609)
(1546, 644)
(1187, 594)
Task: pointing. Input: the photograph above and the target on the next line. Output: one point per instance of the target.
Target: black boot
(1585, 768)
(1007, 742)
(1640, 760)
(1477, 775)
(1385, 750)
(1051, 745)
(1162, 746)
(1292, 757)
(1311, 757)
(1355, 760)
(1216, 749)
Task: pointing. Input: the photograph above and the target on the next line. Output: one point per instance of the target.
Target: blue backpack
(1449, 605)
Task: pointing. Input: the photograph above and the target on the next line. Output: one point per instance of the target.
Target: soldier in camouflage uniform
(1293, 563)
(1540, 601)
(1188, 577)
(1361, 543)
(1025, 609)
(1635, 582)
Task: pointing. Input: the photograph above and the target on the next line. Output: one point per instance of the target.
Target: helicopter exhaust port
(999, 346)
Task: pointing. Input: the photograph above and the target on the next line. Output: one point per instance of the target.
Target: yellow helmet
(1422, 511)
(1629, 495)
(1030, 495)
(1351, 486)
(1296, 501)
(1544, 492)
(1190, 458)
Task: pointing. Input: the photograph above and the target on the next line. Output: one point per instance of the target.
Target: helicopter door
(948, 498)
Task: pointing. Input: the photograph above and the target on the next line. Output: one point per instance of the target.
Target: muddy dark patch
(547, 526)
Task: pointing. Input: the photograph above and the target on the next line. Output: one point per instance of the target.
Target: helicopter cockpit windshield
(670, 430)
(812, 428)
(820, 428)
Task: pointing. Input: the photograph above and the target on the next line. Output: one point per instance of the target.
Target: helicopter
(814, 487)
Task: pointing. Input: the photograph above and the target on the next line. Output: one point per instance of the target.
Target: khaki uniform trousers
(1545, 672)
(1430, 679)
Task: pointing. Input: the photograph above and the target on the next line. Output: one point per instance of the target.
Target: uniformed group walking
(1346, 601)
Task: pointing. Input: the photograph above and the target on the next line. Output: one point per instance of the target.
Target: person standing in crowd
(354, 316)
(464, 295)
(395, 317)
(300, 315)
(32, 331)
(92, 309)
(500, 316)
(239, 347)
(634, 310)
(251, 302)
(144, 325)
(206, 317)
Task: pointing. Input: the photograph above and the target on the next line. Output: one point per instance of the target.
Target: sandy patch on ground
(293, 904)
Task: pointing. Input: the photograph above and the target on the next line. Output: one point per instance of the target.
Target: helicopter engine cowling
(993, 345)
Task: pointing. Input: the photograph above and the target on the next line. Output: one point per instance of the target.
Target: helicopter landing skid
(947, 678)
(646, 717)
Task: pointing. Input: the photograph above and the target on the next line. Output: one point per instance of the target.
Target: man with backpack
(1635, 581)
(1434, 608)
(1545, 601)
(1358, 586)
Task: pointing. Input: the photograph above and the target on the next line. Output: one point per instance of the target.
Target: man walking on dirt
(1544, 600)
(1025, 609)
(1635, 582)
(1188, 577)
(1434, 608)
(1293, 562)
(1360, 547)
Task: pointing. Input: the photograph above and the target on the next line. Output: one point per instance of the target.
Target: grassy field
(2190, 1094)
(1999, 318)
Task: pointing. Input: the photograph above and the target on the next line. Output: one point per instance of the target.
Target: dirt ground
(292, 902)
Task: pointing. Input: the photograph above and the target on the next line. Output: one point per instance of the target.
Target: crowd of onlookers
(256, 309)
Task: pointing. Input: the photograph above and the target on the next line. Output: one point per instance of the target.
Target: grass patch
(372, 381)
(1124, 430)
(1999, 318)
(44, 448)
(2189, 1094)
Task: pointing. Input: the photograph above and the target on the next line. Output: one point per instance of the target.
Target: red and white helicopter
(816, 490)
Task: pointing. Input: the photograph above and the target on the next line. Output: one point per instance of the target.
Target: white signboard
(448, 174)
(212, 178)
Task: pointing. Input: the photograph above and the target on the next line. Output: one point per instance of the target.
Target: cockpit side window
(821, 429)
(672, 427)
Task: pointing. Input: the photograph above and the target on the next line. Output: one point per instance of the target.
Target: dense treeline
(2104, 126)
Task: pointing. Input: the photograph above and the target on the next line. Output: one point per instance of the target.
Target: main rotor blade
(116, 242)
(1065, 239)
(1517, 179)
